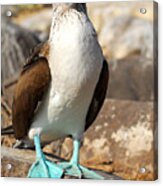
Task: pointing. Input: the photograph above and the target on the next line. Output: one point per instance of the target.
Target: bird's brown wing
(99, 95)
(30, 88)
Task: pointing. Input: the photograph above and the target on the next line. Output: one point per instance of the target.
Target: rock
(39, 23)
(122, 29)
(16, 43)
(120, 141)
(132, 78)
(124, 36)
(16, 163)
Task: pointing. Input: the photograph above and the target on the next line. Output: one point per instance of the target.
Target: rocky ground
(123, 138)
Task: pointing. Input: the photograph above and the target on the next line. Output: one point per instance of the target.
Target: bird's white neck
(62, 11)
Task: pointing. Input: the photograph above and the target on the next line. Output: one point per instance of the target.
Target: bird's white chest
(75, 63)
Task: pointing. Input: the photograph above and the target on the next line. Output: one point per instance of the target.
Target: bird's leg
(73, 167)
(43, 168)
(75, 155)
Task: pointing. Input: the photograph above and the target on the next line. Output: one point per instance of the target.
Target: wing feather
(99, 95)
(30, 89)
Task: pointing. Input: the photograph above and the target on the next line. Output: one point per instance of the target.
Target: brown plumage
(30, 89)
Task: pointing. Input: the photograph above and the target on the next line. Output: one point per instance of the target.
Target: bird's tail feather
(7, 130)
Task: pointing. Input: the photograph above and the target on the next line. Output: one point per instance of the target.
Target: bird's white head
(62, 10)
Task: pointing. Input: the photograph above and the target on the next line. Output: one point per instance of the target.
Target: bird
(61, 88)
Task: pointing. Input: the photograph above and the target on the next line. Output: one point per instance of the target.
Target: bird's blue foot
(43, 168)
(73, 168)
(78, 170)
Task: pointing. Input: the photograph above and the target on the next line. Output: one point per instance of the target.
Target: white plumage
(75, 62)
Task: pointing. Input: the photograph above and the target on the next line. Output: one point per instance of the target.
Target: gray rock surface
(39, 23)
(132, 78)
(16, 43)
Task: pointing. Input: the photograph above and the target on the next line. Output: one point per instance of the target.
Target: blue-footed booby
(62, 87)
